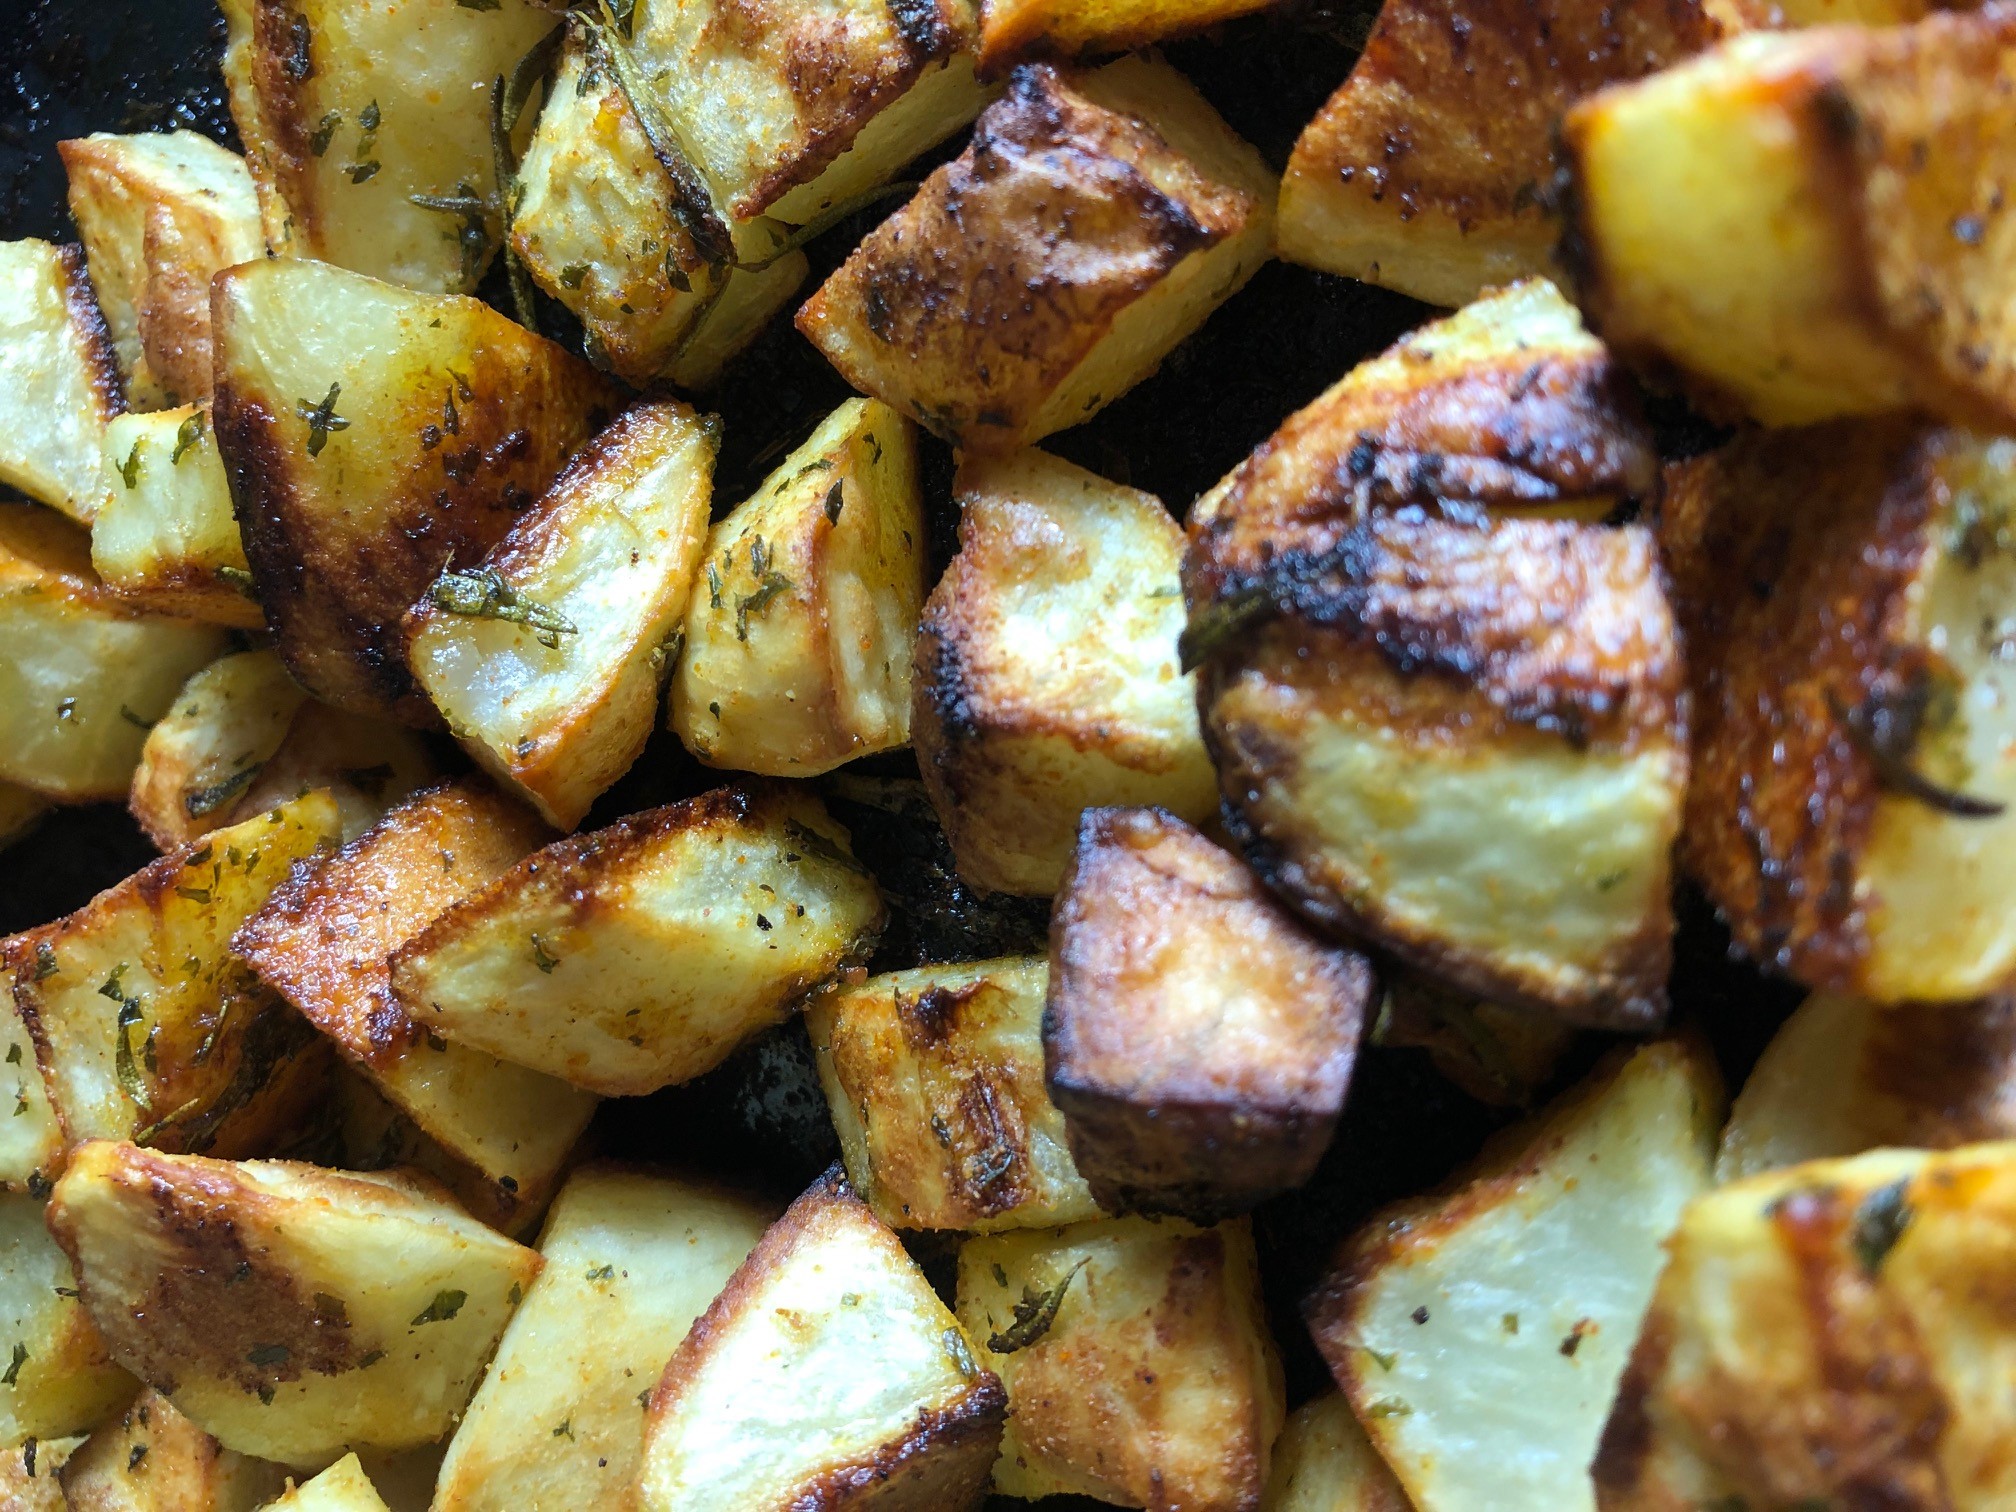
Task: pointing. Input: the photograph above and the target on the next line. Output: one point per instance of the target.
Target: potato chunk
(1199, 1037)
(1811, 225)
(1480, 1333)
(20, 808)
(1046, 677)
(640, 955)
(28, 1475)
(343, 1487)
(292, 1312)
(546, 659)
(1093, 224)
(798, 654)
(935, 1082)
(57, 1377)
(161, 214)
(352, 114)
(1324, 1463)
(1012, 29)
(373, 437)
(153, 1459)
(59, 377)
(1827, 1336)
(631, 1261)
(1861, 652)
(1136, 1357)
(827, 1374)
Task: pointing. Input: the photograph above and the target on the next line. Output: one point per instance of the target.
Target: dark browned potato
(1198, 1036)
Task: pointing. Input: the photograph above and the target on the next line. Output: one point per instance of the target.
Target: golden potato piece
(1324, 1463)
(59, 377)
(1136, 1357)
(56, 1378)
(545, 660)
(153, 1459)
(1046, 677)
(1480, 1333)
(935, 1082)
(1095, 222)
(797, 655)
(343, 1487)
(642, 954)
(826, 1374)
(1199, 1037)
(29, 1471)
(31, 1135)
(1013, 29)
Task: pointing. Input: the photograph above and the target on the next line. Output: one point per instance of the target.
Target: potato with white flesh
(153, 1459)
(325, 939)
(146, 1025)
(1199, 1037)
(798, 651)
(1324, 1463)
(630, 1261)
(31, 1135)
(1046, 679)
(29, 1474)
(934, 1078)
(291, 1312)
(367, 129)
(1829, 1335)
(368, 1132)
(886, 1409)
(1137, 1361)
(343, 1487)
(374, 437)
(1013, 29)
(1480, 1333)
(59, 377)
(1809, 225)
(56, 1377)
(641, 955)
(1096, 220)
(546, 658)
(160, 214)
(1854, 702)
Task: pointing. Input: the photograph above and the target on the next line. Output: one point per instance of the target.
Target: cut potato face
(630, 1261)
(289, 1311)
(31, 1135)
(798, 645)
(59, 377)
(1046, 677)
(1324, 1463)
(1480, 1334)
(59, 1378)
(373, 437)
(884, 1408)
(343, 1487)
(1136, 1357)
(1120, 195)
(1013, 29)
(641, 955)
(545, 660)
(153, 1459)
(29, 1474)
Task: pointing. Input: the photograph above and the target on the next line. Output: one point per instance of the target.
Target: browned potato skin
(1172, 1103)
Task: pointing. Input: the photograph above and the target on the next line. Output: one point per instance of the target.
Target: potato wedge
(370, 1133)
(1011, 30)
(374, 436)
(290, 1311)
(935, 1082)
(797, 656)
(160, 214)
(1324, 1463)
(1046, 678)
(153, 1459)
(365, 764)
(1136, 1357)
(885, 1409)
(640, 955)
(59, 377)
(1480, 1333)
(1198, 1036)
(28, 1475)
(1119, 195)
(343, 1487)
(631, 1261)
(58, 1378)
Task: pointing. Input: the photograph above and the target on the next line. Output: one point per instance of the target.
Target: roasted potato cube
(58, 1378)
(161, 214)
(146, 1026)
(640, 955)
(1324, 1463)
(1012, 29)
(153, 1459)
(1480, 1333)
(1827, 1336)
(354, 116)
(374, 437)
(546, 659)
(1137, 1361)
(290, 1311)
(1811, 225)
(1199, 1037)
(1093, 224)
(631, 1261)
(365, 764)
(59, 377)
(935, 1082)
(343, 1487)
(1466, 743)
(826, 1374)
(1046, 678)
(28, 1475)
(1854, 681)
(798, 655)
(325, 939)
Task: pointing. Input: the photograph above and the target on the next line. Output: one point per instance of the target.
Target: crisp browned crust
(1948, 1068)
(94, 338)
(283, 60)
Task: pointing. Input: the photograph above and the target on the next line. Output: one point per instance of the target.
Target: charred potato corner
(917, 755)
